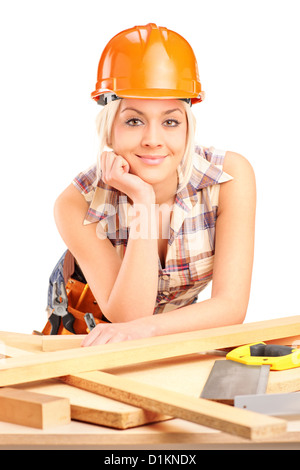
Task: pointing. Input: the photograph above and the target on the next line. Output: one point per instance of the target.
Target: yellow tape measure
(277, 356)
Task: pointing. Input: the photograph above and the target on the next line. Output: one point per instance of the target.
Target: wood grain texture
(73, 361)
(61, 342)
(270, 330)
(33, 409)
(21, 340)
(86, 406)
(225, 418)
(95, 409)
(284, 381)
(183, 373)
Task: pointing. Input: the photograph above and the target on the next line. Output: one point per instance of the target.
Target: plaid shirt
(191, 245)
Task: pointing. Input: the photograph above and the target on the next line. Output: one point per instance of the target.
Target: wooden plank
(293, 341)
(284, 381)
(21, 340)
(225, 418)
(61, 342)
(33, 409)
(10, 351)
(73, 361)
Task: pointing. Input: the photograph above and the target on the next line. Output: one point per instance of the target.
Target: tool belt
(80, 299)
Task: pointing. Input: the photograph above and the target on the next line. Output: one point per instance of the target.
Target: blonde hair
(104, 123)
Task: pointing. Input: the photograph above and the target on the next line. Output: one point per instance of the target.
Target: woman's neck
(165, 193)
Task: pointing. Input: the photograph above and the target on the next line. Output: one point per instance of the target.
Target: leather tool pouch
(80, 297)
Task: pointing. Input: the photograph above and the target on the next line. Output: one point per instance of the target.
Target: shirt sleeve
(86, 182)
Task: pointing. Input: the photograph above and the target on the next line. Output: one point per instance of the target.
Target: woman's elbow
(234, 310)
(238, 312)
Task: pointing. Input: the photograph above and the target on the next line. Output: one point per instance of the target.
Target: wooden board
(293, 341)
(33, 409)
(21, 341)
(268, 330)
(226, 418)
(59, 342)
(284, 381)
(73, 361)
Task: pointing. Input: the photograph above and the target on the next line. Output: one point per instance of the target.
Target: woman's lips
(152, 159)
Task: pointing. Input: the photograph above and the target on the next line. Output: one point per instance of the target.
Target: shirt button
(165, 292)
(165, 277)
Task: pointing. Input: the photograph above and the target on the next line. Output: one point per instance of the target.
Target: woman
(158, 218)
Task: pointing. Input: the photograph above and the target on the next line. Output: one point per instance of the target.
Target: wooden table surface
(172, 434)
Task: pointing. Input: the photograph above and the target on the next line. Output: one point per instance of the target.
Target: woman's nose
(152, 136)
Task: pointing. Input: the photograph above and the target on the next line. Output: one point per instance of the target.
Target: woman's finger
(93, 335)
(113, 166)
(118, 167)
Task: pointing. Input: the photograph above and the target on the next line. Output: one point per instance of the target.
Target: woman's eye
(134, 122)
(171, 123)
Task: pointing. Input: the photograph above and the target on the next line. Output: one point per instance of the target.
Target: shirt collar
(204, 174)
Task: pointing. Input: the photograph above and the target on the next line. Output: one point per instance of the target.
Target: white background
(248, 55)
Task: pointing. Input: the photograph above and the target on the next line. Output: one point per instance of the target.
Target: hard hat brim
(152, 94)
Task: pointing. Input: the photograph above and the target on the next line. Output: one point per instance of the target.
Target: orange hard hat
(148, 62)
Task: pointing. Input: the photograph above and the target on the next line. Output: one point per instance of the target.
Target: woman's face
(151, 135)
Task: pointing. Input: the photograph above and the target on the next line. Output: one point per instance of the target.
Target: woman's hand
(116, 332)
(115, 173)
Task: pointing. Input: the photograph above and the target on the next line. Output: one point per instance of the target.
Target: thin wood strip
(225, 418)
(61, 342)
(293, 341)
(73, 361)
(21, 340)
(10, 351)
(12, 337)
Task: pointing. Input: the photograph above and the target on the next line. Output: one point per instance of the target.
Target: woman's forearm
(210, 313)
(135, 289)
